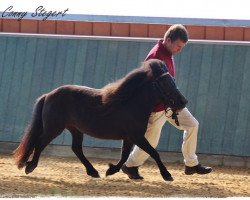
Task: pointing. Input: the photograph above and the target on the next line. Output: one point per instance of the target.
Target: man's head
(175, 38)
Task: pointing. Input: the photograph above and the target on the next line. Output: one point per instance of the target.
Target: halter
(165, 96)
(164, 74)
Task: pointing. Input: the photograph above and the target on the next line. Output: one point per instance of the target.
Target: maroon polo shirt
(161, 53)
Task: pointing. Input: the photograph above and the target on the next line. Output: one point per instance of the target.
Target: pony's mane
(122, 89)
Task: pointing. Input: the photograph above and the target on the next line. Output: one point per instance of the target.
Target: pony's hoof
(29, 167)
(93, 174)
(112, 170)
(168, 178)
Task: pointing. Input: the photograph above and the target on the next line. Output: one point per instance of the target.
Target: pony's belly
(105, 135)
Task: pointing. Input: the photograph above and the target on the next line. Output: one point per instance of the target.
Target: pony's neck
(124, 89)
(145, 99)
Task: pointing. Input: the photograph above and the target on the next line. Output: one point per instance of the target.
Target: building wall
(203, 32)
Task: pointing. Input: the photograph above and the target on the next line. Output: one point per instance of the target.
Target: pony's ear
(157, 66)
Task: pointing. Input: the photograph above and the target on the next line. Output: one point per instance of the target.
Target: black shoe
(132, 172)
(197, 169)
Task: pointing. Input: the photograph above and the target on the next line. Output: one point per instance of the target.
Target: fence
(214, 76)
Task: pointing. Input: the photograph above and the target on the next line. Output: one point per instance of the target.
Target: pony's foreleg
(125, 151)
(77, 139)
(145, 145)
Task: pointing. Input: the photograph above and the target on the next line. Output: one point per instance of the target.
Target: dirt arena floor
(66, 177)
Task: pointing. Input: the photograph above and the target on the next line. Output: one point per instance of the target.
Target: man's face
(174, 47)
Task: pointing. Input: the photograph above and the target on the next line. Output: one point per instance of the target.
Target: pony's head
(165, 86)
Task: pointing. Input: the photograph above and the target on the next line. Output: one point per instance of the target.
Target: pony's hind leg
(145, 145)
(77, 139)
(48, 135)
(125, 151)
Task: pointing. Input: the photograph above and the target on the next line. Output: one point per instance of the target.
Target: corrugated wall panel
(6, 79)
(215, 78)
(239, 84)
(243, 136)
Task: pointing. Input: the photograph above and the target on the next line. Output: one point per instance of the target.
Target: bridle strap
(164, 74)
(156, 85)
(174, 114)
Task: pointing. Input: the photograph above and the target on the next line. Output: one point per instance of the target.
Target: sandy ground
(66, 177)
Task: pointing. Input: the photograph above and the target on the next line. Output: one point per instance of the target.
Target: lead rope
(174, 115)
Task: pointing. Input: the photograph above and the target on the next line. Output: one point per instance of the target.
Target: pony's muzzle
(180, 103)
(184, 102)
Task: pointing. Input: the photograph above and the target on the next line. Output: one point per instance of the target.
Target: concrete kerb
(111, 153)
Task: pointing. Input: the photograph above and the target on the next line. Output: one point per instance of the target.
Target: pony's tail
(34, 130)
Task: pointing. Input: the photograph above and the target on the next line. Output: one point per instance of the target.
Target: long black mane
(123, 89)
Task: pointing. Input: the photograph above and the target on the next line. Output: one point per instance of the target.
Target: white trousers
(156, 121)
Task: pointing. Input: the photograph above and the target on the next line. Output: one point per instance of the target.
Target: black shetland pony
(118, 111)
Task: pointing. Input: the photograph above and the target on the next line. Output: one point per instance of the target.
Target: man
(174, 40)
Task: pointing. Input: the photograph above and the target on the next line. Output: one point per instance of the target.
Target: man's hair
(176, 32)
